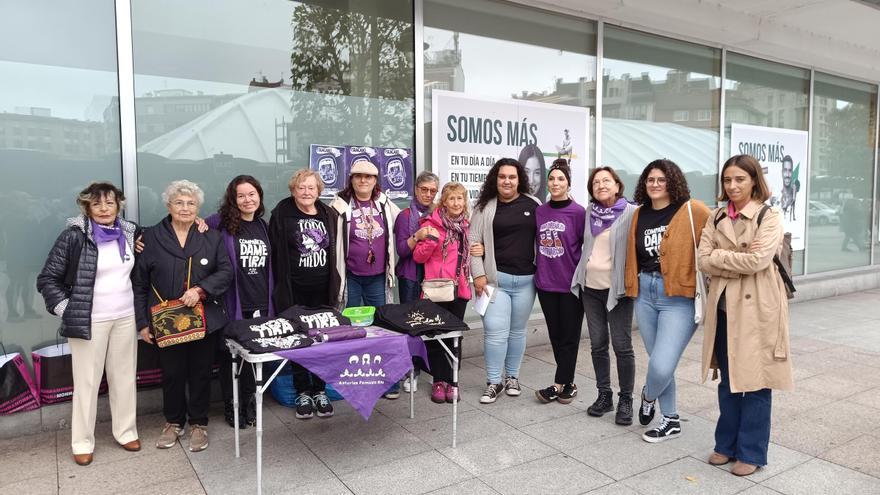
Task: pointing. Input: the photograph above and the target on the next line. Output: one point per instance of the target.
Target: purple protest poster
(354, 154)
(329, 163)
(396, 172)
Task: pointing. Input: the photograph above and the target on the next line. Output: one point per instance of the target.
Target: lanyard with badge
(367, 218)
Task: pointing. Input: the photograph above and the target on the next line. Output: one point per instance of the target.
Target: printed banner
(783, 157)
(470, 134)
(361, 370)
(329, 163)
(396, 172)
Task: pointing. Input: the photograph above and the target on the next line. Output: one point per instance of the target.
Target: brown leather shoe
(717, 459)
(743, 469)
(82, 459)
(132, 446)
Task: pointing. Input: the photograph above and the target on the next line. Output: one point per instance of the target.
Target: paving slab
(558, 474)
(473, 486)
(472, 425)
(28, 457)
(420, 473)
(573, 432)
(625, 455)
(486, 455)
(779, 459)
(686, 476)
(860, 454)
(820, 477)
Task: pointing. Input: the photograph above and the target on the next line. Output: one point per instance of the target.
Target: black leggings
(564, 316)
(438, 360)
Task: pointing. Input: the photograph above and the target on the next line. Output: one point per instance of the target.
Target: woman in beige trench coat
(746, 339)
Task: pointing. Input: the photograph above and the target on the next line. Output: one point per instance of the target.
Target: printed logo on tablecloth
(549, 243)
(365, 369)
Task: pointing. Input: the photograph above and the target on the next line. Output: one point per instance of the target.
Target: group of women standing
(603, 261)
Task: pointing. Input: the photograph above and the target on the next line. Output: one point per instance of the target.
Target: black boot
(604, 403)
(624, 411)
(229, 415)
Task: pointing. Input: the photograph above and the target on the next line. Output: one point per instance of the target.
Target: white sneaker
(414, 384)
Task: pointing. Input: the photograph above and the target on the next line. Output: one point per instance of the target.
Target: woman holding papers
(560, 225)
(445, 255)
(503, 223)
(599, 282)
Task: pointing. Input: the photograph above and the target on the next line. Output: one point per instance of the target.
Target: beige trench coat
(757, 307)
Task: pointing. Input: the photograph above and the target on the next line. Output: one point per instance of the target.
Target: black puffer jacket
(67, 281)
(163, 264)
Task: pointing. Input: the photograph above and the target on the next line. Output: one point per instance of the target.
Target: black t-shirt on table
(514, 229)
(252, 250)
(310, 251)
(649, 231)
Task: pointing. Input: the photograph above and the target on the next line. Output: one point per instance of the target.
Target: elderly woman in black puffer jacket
(86, 281)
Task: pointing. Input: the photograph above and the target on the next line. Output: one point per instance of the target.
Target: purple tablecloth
(361, 370)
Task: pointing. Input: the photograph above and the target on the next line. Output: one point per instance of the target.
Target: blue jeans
(504, 325)
(743, 429)
(408, 290)
(365, 290)
(666, 325)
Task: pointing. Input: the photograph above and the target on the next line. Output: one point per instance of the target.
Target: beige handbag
(443, 289)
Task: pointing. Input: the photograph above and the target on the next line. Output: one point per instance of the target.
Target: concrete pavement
(824, 439)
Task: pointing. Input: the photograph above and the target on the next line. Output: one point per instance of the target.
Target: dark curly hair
(230, 216)
(489, 191)
(676, 184)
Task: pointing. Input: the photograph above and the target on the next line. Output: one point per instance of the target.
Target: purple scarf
(602, 217)
(417, 211)
(101, 234)
(456, 229)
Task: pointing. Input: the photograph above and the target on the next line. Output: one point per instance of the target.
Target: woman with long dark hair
(532, 161)
(661, 274)
(503, 224)
(747, 341)
(246, 238)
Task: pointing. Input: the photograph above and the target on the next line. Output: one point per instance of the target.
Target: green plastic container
(361, 316)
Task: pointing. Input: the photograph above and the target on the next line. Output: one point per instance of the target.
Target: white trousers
(113, 346)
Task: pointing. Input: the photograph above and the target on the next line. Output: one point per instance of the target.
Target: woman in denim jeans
(661, 273)
(503, 226)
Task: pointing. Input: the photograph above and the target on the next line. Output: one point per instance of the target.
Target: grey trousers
(618, 324)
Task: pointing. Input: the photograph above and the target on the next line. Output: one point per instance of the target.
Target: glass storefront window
(493, 49)
(759, 92)
(251, 90)
(661, 100)
(841, 172)
(58, 132)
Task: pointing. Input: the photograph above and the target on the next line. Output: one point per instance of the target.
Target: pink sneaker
(438, 392)
(452, 393)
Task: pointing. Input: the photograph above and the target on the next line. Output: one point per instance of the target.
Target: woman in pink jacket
(445, 254)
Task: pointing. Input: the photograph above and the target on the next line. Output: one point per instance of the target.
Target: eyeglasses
(428, 190)
(660, 181)
(180, 204)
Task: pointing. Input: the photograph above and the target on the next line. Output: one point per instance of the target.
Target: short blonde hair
(451, 188)
(183, 187)
(301, 175)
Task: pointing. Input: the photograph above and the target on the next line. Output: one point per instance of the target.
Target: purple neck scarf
(416, 213)
(602, 217)
(101, 234)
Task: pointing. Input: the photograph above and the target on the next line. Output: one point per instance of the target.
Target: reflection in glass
(769, 94)
(291, 74)
(491, 49)
(58, 132)
(661, 100)
(841, 168)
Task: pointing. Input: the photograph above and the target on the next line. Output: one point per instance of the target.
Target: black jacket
(67, 281)
(163, 264)
(282, 226)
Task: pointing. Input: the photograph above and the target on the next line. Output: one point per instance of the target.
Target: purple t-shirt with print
(558, 244)
(366, 224)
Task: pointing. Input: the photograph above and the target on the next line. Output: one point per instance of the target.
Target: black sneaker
(646, 410)
(305, 407)
(547, 395)
(669, 427)
(323, 407)
(624, 411)
(569, 392)
(604, 403)
(491, 393)
(229, 416)
(511, 386)
(249, 411)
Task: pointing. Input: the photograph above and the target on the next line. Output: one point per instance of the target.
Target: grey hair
(426, 176)
(183, 187)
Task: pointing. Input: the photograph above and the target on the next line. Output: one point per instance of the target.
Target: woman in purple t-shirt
(560, 235)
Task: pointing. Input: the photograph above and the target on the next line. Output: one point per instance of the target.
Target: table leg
(412, 393)
(235, 402)
(258, 378)
(456, 350)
